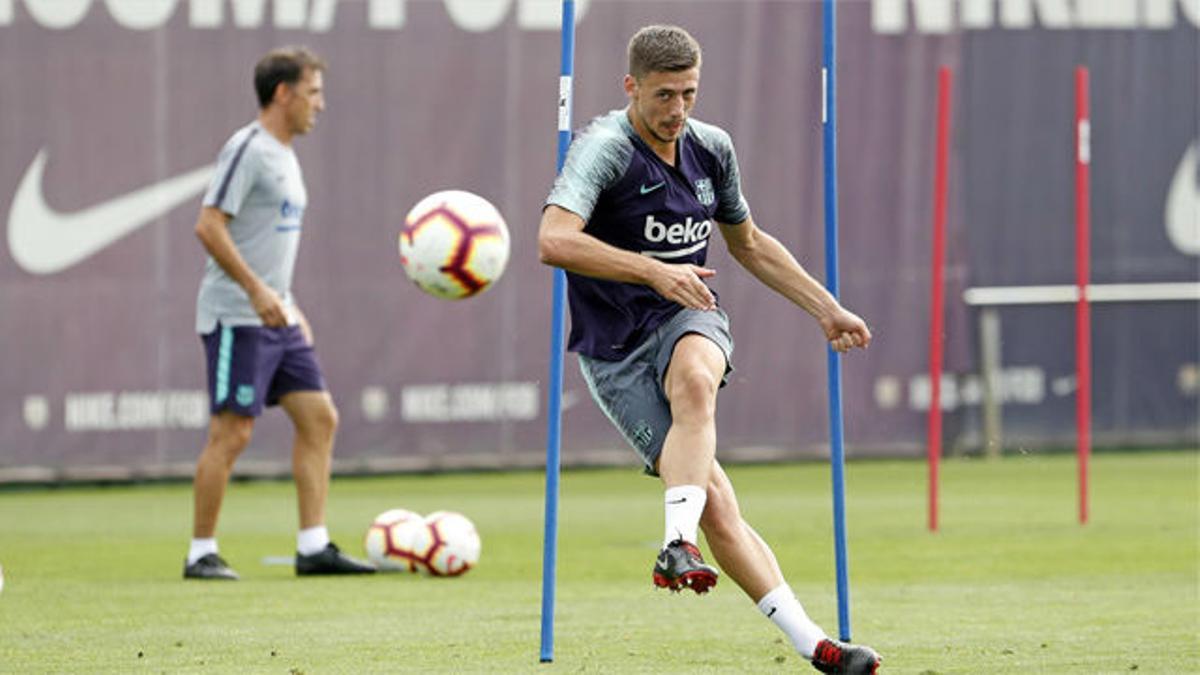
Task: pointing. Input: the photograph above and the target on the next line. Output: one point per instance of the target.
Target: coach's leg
(228, 435)
(315, 419)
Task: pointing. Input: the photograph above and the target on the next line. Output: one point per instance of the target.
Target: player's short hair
(662, 49)
(285, 64)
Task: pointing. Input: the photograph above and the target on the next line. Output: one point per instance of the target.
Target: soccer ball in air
(454, 244)
(390, 539)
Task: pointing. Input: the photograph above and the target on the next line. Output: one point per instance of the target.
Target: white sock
(201, 548)
(312, 540)
(684, 504)
(782, 607)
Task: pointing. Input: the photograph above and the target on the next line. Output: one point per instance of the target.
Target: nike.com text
(317, 16)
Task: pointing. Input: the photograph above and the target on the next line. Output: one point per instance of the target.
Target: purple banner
(112, 112)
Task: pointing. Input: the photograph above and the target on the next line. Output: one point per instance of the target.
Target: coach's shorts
(250, 367)
(631, 393)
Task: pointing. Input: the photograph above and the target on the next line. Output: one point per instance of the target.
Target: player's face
(660, 102)
(306, 99)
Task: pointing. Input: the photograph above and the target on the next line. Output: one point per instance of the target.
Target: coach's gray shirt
(259, 184)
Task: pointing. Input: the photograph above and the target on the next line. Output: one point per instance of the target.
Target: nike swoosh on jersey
(651, 188)
(1183, 204)
(44, 241)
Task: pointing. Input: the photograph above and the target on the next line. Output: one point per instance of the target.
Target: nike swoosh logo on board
(647, 189)
(1183, 204)
(44, 241)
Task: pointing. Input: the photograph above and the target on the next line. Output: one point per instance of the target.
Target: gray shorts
(630, 392)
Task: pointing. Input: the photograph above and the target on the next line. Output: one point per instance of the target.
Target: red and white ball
(454, 244)
(390, 540)
(442, 544)
(450, 545)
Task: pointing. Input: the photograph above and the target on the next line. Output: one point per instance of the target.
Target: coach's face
(304, 100)
(661, 101)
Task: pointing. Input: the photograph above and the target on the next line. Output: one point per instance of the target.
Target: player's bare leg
(697, 366)
(737, 548)
(691, 384)
(228, 435)
(315, 419)
(750, 562)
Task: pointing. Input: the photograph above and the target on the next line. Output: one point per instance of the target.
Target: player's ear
(630, 85)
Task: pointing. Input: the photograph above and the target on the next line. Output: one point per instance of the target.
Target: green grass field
(1011, 584)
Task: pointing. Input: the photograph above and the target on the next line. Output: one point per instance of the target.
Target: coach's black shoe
(832, 656)
(680, 566)
(210, 566)
(330, 560)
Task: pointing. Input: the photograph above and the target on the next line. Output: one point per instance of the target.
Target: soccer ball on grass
(390, 538)
(442, 544)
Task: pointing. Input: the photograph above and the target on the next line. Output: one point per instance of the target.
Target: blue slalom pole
(557, 320)
(837, 457)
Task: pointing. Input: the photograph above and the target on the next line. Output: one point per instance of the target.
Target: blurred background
(112, 111)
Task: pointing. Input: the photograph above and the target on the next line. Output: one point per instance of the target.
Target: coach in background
(629, 219)
(258, 344)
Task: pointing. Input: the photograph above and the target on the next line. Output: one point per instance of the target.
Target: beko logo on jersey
(687, 232)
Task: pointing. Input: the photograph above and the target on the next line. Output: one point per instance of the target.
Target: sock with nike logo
(786, 612)
(684, 504)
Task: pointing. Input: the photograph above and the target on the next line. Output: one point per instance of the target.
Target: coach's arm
(212, 229)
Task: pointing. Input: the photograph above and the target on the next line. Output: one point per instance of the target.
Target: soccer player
(629, 219)
(258, 343)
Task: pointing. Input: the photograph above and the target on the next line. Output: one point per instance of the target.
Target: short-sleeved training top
(633, 200)
(259, 184)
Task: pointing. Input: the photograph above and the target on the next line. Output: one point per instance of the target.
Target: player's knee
(693, 390)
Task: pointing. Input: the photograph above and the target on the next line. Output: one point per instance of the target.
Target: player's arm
(563, 243)
(212, 228)
(771, 263)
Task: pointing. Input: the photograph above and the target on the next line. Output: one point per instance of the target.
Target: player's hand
(682, 284)
(845, 330)
(269, 306)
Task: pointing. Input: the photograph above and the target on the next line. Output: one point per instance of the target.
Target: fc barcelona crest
(704, 191)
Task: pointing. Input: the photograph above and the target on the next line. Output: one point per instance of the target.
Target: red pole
(1083, 337)
(937, 293)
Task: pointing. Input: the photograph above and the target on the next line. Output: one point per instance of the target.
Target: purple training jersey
(633, 200)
